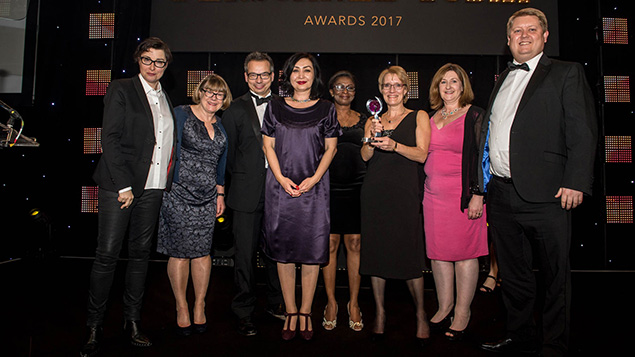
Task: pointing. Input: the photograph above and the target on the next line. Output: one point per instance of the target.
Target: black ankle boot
(133, 330)
(92, 345)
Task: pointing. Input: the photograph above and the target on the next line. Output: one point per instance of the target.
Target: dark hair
(258, 56)
(467, 96)
(318, 85)
(155, 43)
(340, 74)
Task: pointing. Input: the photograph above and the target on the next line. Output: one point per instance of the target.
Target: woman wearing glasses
(190, 208)
(347, 174)
(300, 139)
(392, 225)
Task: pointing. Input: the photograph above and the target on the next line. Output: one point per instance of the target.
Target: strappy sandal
(486, 289)
(354, 325)
(330, 324)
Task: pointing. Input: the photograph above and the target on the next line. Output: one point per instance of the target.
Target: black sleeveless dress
(392, 219)
(347, 172)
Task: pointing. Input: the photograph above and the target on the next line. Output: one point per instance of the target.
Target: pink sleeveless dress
(450, 235)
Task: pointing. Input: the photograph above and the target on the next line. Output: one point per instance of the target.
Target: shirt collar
(256, 95)
(532, 63)
(147, 88)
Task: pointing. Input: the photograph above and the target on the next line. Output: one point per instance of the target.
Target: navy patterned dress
(188, 211)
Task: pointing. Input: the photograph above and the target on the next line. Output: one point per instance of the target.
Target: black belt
(502, 179)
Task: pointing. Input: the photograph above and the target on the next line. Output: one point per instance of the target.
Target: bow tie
(512, 66)
(260, 100)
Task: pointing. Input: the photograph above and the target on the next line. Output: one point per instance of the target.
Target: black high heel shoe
(455, 335)
(442, 325)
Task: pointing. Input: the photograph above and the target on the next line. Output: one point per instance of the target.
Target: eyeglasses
(211, 94)
(264, 75)
(158, 63)
(396, 86)
(341, 87)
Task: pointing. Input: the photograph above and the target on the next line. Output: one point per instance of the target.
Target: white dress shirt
(163, 133)
(260, 110)
(502, 116)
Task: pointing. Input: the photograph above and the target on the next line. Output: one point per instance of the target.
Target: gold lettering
(352, 20)
(342, 19)
(362, 20)
(308, 21)
(332, 21)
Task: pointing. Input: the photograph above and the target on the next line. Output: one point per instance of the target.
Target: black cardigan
(470, 163)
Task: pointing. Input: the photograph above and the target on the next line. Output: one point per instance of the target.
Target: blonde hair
(529, 11)
(216, 83)
(400, 73)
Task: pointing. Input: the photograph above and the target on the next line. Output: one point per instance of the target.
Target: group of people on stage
(304, 174)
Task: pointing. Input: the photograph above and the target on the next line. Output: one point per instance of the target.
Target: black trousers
(521, 229)
(247, 229)
(140, 220)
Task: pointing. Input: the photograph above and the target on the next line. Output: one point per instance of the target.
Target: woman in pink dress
(454, 217)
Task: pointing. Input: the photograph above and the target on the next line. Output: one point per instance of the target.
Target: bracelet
(395, 148)
(221, 194)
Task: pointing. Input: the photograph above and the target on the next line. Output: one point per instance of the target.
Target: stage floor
(44, 303)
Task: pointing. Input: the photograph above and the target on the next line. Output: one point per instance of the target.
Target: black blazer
(245, 174)
(127, 138)
(554, 134)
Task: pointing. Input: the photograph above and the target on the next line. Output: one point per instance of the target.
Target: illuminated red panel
(89, 199)
(97, 81)
(615, 30)
(618, 149)
(101, 25)
(619, 209)
(92, 140)
(194, 78)
(617, 89)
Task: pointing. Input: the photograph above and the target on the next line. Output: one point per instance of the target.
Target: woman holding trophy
(395, 147)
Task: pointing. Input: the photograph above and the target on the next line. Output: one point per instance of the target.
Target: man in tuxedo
(138, 137)
(542, 140)
(246, 169)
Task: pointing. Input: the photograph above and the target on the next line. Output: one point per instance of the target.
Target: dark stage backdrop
(52, 176)
(343, 26)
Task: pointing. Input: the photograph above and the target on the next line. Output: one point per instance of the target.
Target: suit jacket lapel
(253, 116)
(144, 99)
(543, 68)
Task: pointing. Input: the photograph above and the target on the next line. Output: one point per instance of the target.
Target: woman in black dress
(392, 220)
(190, 208)
(347, 174)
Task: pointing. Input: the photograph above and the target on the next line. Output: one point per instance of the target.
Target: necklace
(398, 116)
(445, 114)
(300, 100)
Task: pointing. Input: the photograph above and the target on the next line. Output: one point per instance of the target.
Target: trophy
(374, 106)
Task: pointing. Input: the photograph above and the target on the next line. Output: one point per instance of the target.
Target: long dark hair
(287, 69)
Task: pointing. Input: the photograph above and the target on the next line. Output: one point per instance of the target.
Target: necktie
(260, 100)
(523, 66)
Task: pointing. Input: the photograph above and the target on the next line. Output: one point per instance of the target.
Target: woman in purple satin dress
(300, 139)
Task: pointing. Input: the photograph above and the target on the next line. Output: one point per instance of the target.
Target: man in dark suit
(138, 137)
(542, 140)
(246, 170)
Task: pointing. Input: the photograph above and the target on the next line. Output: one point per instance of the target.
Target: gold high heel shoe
(330, 324)
(354, 325)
